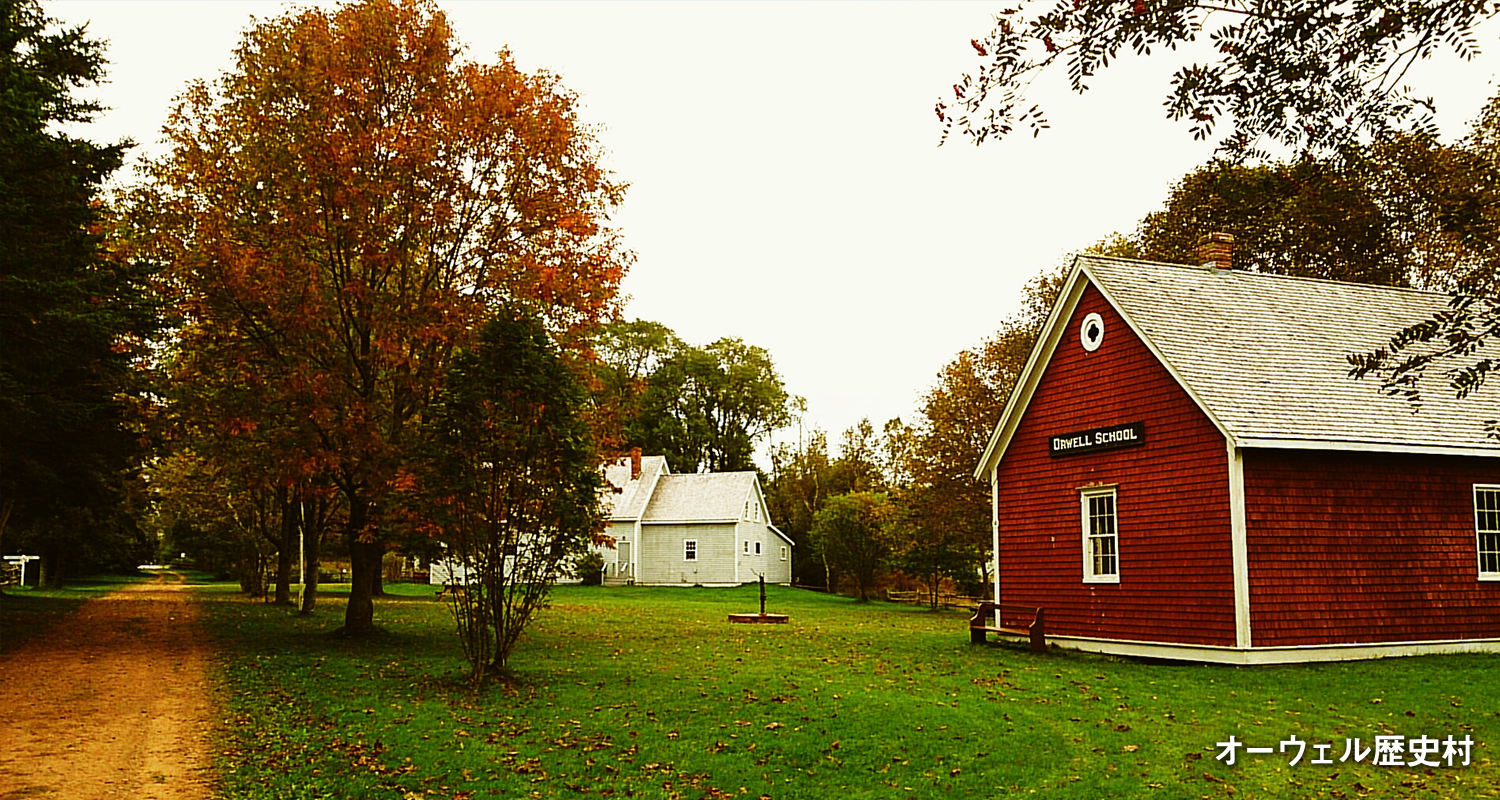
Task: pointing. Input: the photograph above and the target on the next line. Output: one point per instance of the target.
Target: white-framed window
(689, 549)
(1101, 535)
(1487, 530)
(747, 547)
(757, 548)
(783, 552)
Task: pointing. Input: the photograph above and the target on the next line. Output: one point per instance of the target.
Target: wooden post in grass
(762, 595)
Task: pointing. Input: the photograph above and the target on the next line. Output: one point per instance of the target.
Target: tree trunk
(284, 575)
(364, 570)
(286, 543)
(53, 566)
(312, 546)
(5, 508)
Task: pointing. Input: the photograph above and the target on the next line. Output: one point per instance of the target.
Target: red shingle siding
(1176, 575)
(1365, 547)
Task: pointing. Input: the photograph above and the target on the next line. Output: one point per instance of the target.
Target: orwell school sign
(1127, 434)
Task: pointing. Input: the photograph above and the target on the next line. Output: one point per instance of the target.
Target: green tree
(513, 480)
(1386, 214)
(339, 214)
(855, 531)
(1315, 75)
(1312, 218)
(705, 408)
(803, 477)
(73, 317)
(626, 353)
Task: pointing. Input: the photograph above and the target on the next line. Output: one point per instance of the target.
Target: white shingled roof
(701, 497)
(1266, 357)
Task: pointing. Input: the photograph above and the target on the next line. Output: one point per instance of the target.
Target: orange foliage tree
(338, 215)
(947, 509)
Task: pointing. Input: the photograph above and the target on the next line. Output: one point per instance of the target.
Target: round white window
(1092, 332)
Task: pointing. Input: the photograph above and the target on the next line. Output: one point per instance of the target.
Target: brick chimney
(1215, 250)
(635, 463)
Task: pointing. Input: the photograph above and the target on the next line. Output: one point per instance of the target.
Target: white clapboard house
(702, 529)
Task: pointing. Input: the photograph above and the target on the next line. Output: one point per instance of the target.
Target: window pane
(1489, 551)
(1487, 529)
(1101, 542)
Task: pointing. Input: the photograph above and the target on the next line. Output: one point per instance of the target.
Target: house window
(757, 548)
(689, 549)
(1101, 540)
(1487, 530)
(783, 552)
(747, 547)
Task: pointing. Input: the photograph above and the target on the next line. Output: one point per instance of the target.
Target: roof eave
(1367, 447)
(685, 521)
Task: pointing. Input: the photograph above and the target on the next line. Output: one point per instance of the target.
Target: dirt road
(113, 703)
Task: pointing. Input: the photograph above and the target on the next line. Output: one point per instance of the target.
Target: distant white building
(708, 529)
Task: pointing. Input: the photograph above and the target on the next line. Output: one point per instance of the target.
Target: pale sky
(786, 184)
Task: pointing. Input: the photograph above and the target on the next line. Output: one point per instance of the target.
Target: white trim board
(1256, 656)
(1239, 546)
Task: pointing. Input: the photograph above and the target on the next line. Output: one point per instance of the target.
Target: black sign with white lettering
(1127, 434)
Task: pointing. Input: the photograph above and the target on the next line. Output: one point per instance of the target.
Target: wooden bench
(980, 624)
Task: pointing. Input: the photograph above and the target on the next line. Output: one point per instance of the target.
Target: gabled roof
(1265, 357)
(700, 497)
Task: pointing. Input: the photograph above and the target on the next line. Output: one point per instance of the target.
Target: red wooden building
(1186, 470)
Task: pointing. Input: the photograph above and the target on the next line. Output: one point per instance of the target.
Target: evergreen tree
(72, 319)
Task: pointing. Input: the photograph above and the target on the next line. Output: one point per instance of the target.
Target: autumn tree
(798, 486)
(338, 215)
(513, 480)
(1464, 208)
(1312, 75)
(946, 508)
(226, 527)
(73, 318)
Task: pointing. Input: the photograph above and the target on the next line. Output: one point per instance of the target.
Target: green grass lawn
(650, 693)
(27, 612)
